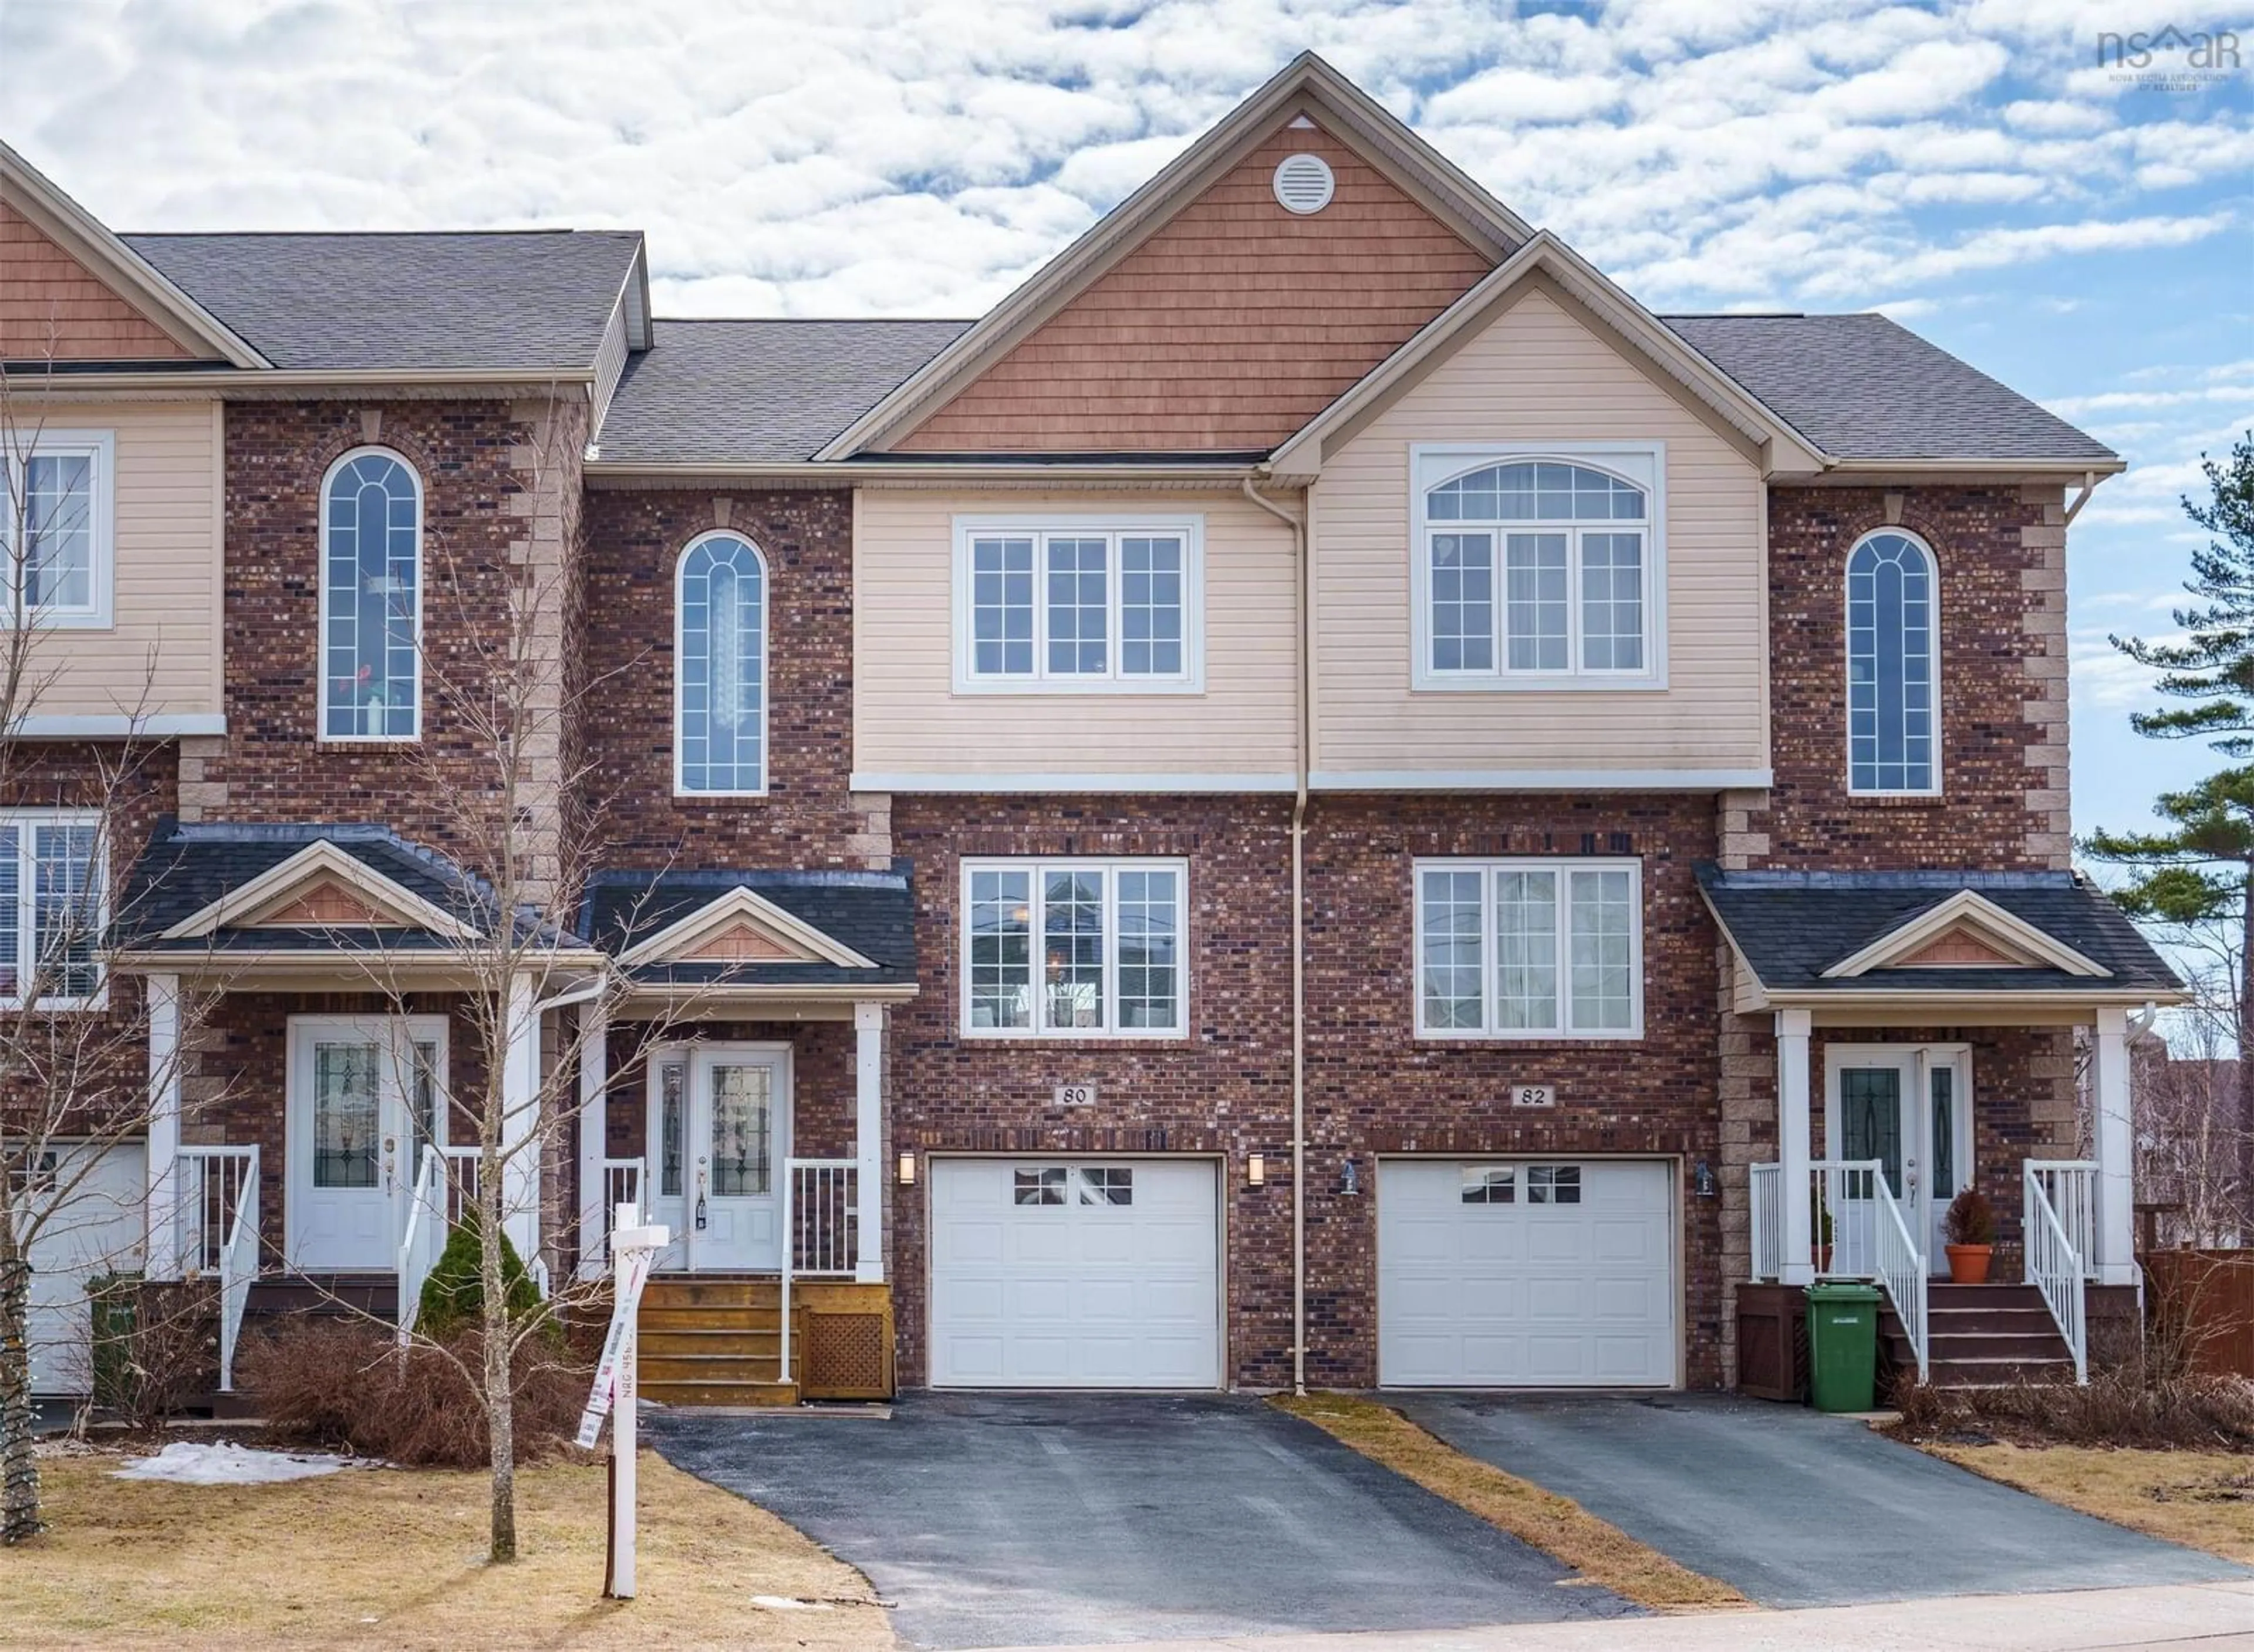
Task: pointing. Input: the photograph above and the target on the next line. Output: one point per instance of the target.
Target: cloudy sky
(2083, 232)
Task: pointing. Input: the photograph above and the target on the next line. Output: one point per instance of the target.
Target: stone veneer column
(1748, 1086)
(200, 797)
(2049, 801)
(547, 508)
(872, 838)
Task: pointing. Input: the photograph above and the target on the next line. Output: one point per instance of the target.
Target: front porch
(707, 1053)
(1925, 1031)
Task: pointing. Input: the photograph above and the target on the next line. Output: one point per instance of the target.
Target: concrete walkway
(2213, 1617)
(1794, 1508)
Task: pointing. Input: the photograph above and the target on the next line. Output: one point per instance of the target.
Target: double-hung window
(1073, 949)
(1547, 948)
(1893, 647)
(1538, 571)
(52, 908)
(371, 599)
(55, 535)
(1078, 604)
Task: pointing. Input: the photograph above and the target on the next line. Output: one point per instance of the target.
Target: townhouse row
(1318, 796)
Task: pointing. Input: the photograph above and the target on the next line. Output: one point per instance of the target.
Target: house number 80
(1075, 1095)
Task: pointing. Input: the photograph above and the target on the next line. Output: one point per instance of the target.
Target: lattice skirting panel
(847, 1356)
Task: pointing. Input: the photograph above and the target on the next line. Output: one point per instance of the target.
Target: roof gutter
(74, 387)
(2088, 471)
(693, 473)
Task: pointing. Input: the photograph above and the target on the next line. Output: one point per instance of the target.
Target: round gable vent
(1304, 183)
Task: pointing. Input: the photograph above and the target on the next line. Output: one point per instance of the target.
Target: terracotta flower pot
(1968, 1264)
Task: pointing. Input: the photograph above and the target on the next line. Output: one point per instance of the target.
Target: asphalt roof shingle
(525, 299)
(750, 392)
(1861, 387)
(1790, 927)
(871, 912)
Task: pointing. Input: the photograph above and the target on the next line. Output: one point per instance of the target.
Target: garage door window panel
(1041, 1187)
(1549, 948)
(1104, 938)
(1495, 1185)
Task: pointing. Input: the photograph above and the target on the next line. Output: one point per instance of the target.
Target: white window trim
(1431, 464)
(321, 601)
(1190, 531)
(1846, 661)
(1035, 866)
(1490, 959)
(26, 895)
(766, 661)
(102, 447)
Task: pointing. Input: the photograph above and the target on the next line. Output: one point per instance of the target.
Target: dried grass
(2204, 1499)
(396, 1559)
(1558, 1526)
(339, 1384)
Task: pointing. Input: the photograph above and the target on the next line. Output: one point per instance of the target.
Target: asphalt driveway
(1012, 1519)
(1795, 1508)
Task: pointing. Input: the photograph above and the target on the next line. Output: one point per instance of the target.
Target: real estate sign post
(633, 1248)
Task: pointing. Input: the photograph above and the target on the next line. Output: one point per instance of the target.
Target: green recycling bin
(1843, 1346)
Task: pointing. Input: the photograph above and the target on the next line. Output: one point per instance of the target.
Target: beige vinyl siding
(160, 655)
(907, 718)
(1537, 374)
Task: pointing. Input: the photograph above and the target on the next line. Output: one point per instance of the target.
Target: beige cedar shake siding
(160, 656)
(1538, 373)
(908, 720)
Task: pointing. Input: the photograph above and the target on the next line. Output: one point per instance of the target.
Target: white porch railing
(622, 1182)
(2058, 1204)
(820, 1229)
(1768, 1222)
(446, 1187)
(1857, 1230)
(217, 1224)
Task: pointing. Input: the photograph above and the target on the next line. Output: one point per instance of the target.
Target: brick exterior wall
(2003, 802)
(483, 537)
(1374, 1088)
(1226, 1090)
(808, 819)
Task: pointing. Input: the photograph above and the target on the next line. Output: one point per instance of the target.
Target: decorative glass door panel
(1910, 1109)
(738, 1114)
(365, 1098)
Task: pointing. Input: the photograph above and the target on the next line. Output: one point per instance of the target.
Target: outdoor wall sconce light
(906, 1174)
(1256, 1170)
(1350, 1179)
(1702, 1179)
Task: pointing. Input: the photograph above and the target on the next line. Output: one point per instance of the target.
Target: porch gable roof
(1832, 933)
(833, 929)
(200, 888)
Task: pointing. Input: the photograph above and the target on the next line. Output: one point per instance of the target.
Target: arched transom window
(1538, 568)
(371, 599)
(1893, 695)
(720, 697)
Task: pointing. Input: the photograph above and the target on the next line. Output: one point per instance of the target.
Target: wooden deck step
(717, 1391)
(1981, 1336)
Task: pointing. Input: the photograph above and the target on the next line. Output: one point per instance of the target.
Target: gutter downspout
(1302, 761)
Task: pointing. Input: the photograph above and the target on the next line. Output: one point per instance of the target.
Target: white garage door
(1071, 1273)
(1543, 1273)
(100, 1230)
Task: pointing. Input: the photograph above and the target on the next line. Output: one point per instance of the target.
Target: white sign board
(1533, 1095)
(632, 1273)
(634, 1249)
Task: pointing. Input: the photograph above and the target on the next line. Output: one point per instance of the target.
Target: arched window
(1538, 568)
(371, 599)
(720, 676)
(1893, 632)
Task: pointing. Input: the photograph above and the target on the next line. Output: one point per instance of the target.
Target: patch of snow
(784, 1603)
(191, 1463)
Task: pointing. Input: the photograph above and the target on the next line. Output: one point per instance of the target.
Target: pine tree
(2198, 868)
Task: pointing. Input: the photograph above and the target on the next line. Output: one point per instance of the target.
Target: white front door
(1910, 1108)
(1525, 1273)
(739, 1113)
(366, 1094)
(1062, 1273)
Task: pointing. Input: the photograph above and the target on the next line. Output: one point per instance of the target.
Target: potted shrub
(1971, 1231)
(1819, 1222)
